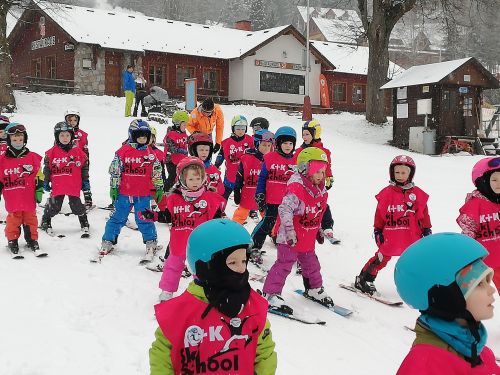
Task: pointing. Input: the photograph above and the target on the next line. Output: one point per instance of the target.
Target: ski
(100, 254)
(298, 318)
(257, 277)
(51, 233)
(147, 258)
(375, 298)
(40, 253)
(15, 255)
(342, 311)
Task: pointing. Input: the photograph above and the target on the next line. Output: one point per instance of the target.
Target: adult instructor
(129, 88)
(204, 118)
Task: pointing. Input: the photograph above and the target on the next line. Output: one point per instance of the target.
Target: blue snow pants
(123, 205)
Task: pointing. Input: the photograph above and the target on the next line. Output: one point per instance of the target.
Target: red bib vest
(214, 179)
(217, 344)
(251, 171)
(233, 150)
(188, 215)
(279, 171)
(18, 178)
(66, 170)
(180, 140)
(137, 171)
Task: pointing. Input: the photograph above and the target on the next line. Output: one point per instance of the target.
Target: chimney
(245, 25)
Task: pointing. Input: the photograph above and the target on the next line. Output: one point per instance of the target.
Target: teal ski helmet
(425, 274)
(214, 236)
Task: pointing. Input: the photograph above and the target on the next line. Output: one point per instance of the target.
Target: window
(182, 73)
(339, 92)
(157, 75)
(283, 83)
(50, 64)
(36, 68)
(446, 101)
(358, 93)
(467, 107)
(211, 79)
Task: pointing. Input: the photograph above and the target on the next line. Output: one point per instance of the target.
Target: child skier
(479, 217)
(160, 156)
(188, 205)
(277, 168)
(132, 171)
(201, 145)
(445, 278)
(311, 135)
(72, 118)
(300, 219)
(21, 183)
(175, 145)
(232, 149)
(248, 175)
(401, 218)
(221, 297)
(66, 170)
(4, 122)
(259, 123)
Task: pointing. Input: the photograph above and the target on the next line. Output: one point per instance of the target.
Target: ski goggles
(240, 127)
(14, 129)
(268, 137)
(494, 163)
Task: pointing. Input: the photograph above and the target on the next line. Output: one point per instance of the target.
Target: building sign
(43, 43)
(463, 90)
(279, 65)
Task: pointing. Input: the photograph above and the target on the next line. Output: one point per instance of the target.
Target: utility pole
(306, 109)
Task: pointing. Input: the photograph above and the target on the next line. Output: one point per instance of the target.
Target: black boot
(13, 247)
(46, 223)
(32, 244)
(84, 223)
(364, 282)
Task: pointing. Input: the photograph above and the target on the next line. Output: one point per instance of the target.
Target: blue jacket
(128, 81)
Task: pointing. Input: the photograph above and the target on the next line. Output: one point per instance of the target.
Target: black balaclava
(484, 186)
(226, 290)
(285, 138)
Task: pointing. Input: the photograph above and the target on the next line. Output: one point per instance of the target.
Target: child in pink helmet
(480, 215)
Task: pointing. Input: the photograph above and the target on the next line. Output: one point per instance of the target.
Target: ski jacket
(402, 215)
(133, 169)
(430, 355)
(160, 155)
(274, 175)
(128, 81)
(198, 121)
(81, 141)
(318, 144)
(480, 219)
(214, 179)
(19, 178)
(248, 176)
(187, 344)
(185, 216)
(232, 150)
(66, 170)
(302, 211)
(176, 147)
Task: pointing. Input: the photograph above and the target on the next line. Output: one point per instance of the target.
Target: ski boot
(106, 247)
(319, 295)
(364, 283)
(87, 196)
(298, 271)
(151, 248)
(165, 296)
(186, 273)
(254, 215)
(277, 303)
(255, 257)
(46, 224)
(14, 248)
(84, 224)
(33, 245)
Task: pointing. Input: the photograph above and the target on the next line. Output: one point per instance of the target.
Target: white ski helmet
(72, 112)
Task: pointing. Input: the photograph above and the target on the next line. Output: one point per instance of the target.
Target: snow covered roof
(12, 17)
(340, 31)
(351, 59)
(422, 74)
(133, 32)
(322, 12)
(404, 34)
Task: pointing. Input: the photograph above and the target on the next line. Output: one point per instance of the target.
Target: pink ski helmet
(402, 160)
(186, 162)
(484, 166)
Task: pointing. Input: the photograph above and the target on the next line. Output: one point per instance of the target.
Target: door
(113, 74)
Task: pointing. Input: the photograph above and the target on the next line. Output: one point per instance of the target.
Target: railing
(46, 84)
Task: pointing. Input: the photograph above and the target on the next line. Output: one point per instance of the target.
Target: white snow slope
(64, 315)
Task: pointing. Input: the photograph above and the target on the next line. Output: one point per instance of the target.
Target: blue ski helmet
(214, 236)
(138, 128)
(428, 269)
(285, 134)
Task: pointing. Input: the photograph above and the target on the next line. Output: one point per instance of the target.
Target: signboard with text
(279, 65)
(43, 43)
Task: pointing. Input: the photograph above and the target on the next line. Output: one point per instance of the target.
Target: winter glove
(39, 195)
(260, 198)
(85, 185)
(159, 193)
(46, 186)
(216, 148)
(148, 215)
(426, 232)
(291, 237)
(320, 238)
(379, 237)
(87, 196)
(113, 193)
(237, 196)
(328, 183)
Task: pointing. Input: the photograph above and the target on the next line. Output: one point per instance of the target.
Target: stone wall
(89, 81)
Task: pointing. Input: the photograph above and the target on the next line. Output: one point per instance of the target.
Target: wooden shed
(449, 92)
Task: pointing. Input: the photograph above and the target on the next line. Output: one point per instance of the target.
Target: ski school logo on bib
(194, 335)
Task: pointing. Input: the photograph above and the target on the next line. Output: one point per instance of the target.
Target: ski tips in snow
(373, 297)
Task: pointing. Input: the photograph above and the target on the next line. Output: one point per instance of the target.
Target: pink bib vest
(251, 172)
(81, 141)
(180, 140)
(18, 178)
(66, 170)
(217, 344)
(233, 150)
(137, 171)
(214, 180)
(279, 171)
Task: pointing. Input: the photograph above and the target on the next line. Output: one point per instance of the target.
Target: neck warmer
(404, 186)
(190, 195)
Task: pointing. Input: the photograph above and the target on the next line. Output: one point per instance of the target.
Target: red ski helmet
(199, 138)
(402, 160)
(484, 166)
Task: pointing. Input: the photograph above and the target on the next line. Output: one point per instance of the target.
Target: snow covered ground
(64, 315)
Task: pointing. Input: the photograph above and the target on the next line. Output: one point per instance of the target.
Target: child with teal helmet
(445, 278)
